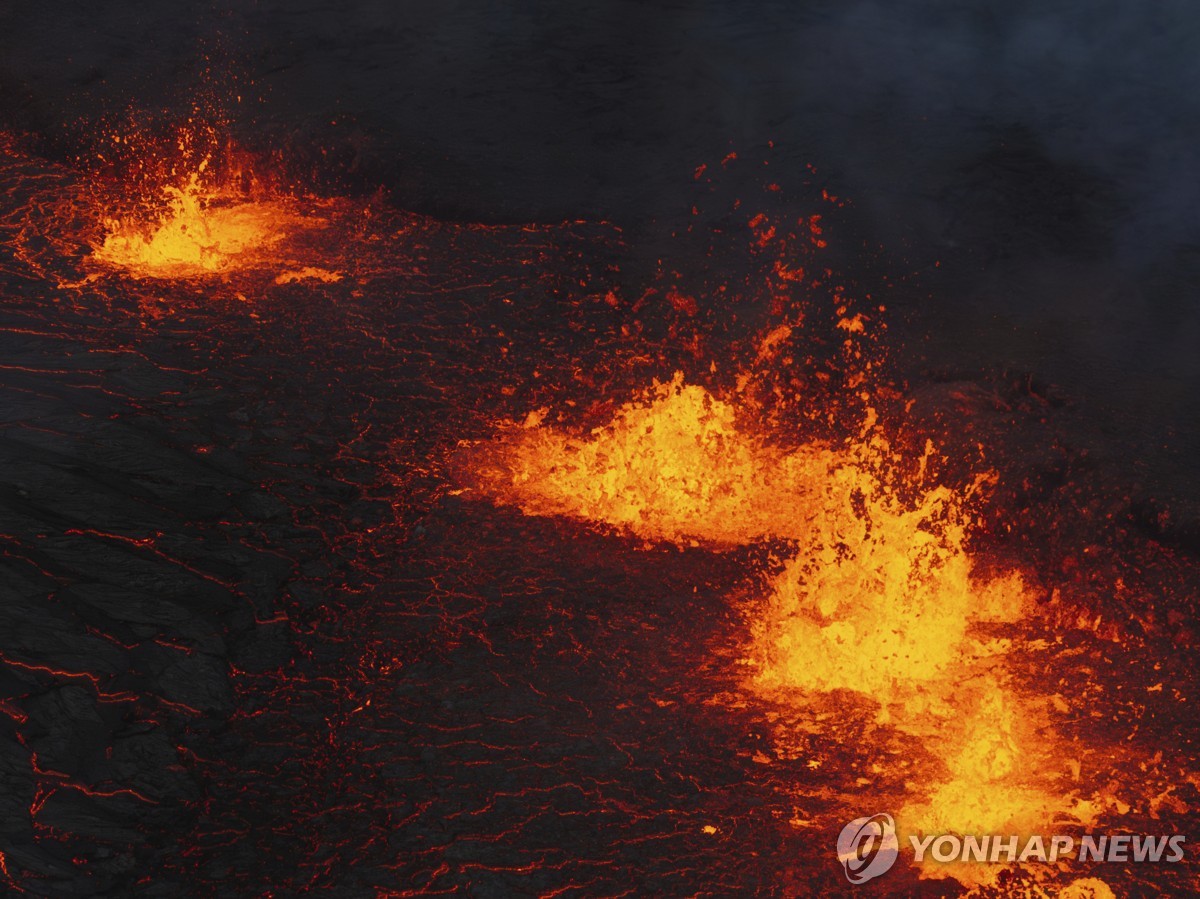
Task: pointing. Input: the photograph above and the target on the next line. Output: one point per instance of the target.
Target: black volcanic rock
(142, 757)
(70, 731)
(147, 614)
(190, 678)
(113, 819)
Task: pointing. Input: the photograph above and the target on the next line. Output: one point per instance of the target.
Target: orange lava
(880, 596)
(201, 230)
(672, 465)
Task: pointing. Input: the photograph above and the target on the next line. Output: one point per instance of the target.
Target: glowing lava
(880, 600)
(672, 465)
(880, 596)
(201, 231)
(991, 751)
(880, 593)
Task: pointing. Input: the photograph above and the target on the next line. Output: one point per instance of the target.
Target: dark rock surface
(120, 574)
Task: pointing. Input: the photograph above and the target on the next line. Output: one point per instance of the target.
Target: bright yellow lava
(672, 465)
(201, 232)
(878, 601)
(880, 592)
(880, 596)
(308, 273)
(1001, 761)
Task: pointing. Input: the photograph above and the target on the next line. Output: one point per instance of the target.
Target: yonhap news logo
(868, 846)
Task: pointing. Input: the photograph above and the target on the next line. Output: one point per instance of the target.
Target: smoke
(1111, 87)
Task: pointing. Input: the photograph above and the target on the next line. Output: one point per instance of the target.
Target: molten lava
(874, 585)
(672, 465)
(881, 600)
(876, 577)
(201, 230)
(880, 597)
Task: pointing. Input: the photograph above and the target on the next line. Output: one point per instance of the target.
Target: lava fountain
(199, 225)
(879, 596)
(672, 465)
